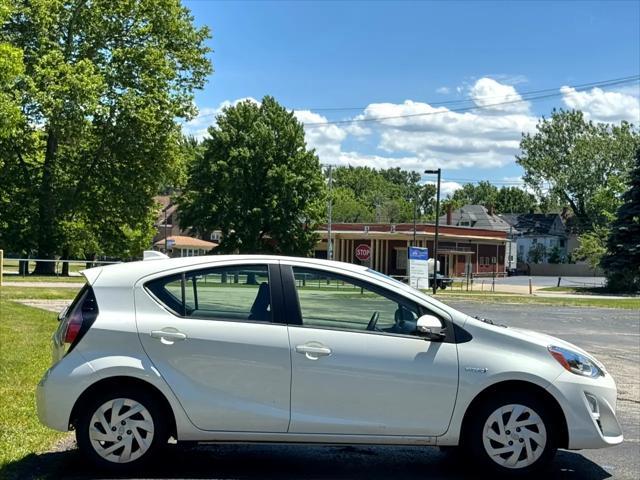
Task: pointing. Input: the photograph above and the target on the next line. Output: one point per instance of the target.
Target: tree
(503, 200)
(579, 163)
(515, 200)
(347, 209)
(592, 246)
(104, 84)
(537, 253)
(555, 255)
(622, 261)
(385, 195)
(256, 182)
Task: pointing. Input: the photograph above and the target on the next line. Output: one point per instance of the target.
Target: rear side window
(241, 293)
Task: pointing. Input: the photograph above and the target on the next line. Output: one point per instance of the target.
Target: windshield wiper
(490, 322)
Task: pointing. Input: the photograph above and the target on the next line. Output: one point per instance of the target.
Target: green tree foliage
(256, 182)
(347, 208)
(503, 200)
(622, 261)
(555, 255)
(592, 246)
(581, 164)
(386, 195)
(537, 253)
(104, 83)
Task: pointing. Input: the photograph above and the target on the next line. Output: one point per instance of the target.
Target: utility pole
(415, 207)
(435, 243)
(414, 220)
(329, 210)
(165, 228)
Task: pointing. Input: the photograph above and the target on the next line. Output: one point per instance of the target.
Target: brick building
(460, 249)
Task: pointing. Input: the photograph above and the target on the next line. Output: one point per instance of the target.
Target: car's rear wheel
(514, 434)
(121, 430)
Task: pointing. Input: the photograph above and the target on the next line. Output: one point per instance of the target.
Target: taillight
(80, 316)
(73, 326)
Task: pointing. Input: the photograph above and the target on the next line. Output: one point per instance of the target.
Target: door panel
(372, 384)
(358, 368)
(229, 375)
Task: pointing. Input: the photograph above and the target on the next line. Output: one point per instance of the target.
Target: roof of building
(476, 216)
(535, 223)
(406, 229)
(181, 241)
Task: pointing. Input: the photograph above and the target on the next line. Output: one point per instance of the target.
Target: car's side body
(373, 388)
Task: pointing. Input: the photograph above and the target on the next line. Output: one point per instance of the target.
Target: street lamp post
(415, 206)
(435, 243)
(329, 211)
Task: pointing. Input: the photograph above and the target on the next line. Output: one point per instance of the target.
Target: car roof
(128, 273)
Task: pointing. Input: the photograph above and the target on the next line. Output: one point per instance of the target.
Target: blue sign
(418, 253)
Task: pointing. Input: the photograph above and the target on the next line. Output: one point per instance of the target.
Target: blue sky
(388, 59)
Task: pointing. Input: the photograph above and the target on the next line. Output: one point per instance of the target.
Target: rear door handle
(313, 352)
(168, 336)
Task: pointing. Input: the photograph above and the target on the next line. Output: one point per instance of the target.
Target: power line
(472, 99)
(463, 109)
(519, 98)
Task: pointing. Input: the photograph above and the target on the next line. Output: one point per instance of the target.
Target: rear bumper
(59, 388)
(589, 406)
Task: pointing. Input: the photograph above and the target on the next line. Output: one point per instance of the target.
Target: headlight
(576, 362)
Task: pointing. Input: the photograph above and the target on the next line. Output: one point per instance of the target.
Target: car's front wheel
(514, 434)
(121, 430)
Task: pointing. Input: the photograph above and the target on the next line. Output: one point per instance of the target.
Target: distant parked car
(443, 282)
(276, 349)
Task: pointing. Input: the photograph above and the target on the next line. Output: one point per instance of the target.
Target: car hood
(531, 336)
(545, 340)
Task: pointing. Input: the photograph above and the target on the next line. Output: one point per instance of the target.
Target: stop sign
(363, 252)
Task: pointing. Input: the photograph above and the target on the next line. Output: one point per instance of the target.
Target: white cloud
(601, 106)
(327, 140)
(487, 92)
(443, 90)
(421, 136)
(206, 117)
(446, 187)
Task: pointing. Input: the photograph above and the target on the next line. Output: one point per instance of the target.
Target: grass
(39, 293)
(42, 278)
(595, 302)
(25, 334)
(578, 290)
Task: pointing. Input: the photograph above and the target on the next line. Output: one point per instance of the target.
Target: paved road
(612, 335)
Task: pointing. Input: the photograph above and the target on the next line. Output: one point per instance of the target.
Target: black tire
(474, 441)
(155, 409)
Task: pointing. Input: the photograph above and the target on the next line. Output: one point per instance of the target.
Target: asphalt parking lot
(612, 335)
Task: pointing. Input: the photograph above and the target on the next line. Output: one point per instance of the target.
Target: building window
(494, 260)
(562, 243)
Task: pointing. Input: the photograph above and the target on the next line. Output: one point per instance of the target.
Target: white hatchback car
(276, 349)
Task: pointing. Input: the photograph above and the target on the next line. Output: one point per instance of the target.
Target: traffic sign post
(363, 252)
(418, 267)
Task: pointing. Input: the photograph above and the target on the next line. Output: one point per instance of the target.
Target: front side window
(223, 293)
(332, 301)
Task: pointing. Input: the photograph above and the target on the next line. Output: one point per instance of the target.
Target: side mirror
(430, 327)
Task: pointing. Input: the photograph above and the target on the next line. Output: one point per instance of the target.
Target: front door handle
(168, 336)
(313, 351)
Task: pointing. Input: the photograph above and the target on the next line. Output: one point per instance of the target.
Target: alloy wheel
(514, 436)
(121, 430)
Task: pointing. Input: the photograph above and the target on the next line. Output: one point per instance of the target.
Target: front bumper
(589, 406)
